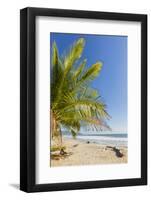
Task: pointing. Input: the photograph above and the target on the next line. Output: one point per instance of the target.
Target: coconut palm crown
(74, 103)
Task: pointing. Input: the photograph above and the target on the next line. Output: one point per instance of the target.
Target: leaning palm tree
(74, 103)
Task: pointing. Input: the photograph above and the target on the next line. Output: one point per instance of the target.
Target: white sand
(82, 153)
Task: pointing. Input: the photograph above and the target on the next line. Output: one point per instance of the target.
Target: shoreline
(85, 152)
(101, 141)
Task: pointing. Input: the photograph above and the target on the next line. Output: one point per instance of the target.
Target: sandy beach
(87, 153)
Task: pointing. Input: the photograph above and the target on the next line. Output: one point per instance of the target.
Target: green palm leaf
(79, 70)
(74, 54)
(92, 72)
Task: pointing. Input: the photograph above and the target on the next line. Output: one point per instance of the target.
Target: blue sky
(112, 81)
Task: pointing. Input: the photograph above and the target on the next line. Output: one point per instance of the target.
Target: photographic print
(83, 99)
(88, 101)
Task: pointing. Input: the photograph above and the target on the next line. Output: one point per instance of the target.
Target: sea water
(109, 139)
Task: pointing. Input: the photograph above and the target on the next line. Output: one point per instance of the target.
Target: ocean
(113, 139)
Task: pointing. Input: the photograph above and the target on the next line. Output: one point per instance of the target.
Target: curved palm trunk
(56, 135)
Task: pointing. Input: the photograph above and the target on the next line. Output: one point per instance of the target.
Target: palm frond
(79, 70)
(89, 93)
(86, 104)
(92, 72)
(74, 54)
(69, 60)
(88, 76)
(56, 73)
(55, 55)
(84, 121)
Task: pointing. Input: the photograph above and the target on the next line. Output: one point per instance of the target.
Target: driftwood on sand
(118, 152)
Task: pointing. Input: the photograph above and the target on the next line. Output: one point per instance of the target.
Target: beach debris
(117, 151)
(57, 148)
(62, 152)
(58, 156)
(55, 157)
(75, 145)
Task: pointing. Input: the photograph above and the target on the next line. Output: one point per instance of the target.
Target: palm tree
(74, 103)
